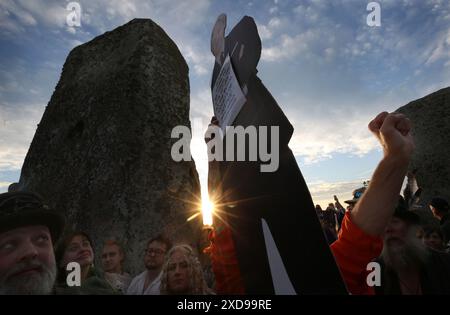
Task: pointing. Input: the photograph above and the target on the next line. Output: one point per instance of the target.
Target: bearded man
(28, 230)
(409, 267)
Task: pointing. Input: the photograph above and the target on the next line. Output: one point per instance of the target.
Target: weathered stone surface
(431, 119)
(101, 153)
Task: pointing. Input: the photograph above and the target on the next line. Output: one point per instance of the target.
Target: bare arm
(375, 208)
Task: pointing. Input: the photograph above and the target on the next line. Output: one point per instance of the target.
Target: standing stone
(430, 116)
(102, 151)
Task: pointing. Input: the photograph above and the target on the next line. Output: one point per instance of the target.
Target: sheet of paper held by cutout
(227, 96)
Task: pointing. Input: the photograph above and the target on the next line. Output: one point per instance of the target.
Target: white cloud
(272, 28)
(307, 13)
(74, 43)
(51, 13)
(322, 192)
(189, 16)
(122, 9)
(27, 19)
(181, 16)
(71, 29)
(315, 34)
(4, 186)
(440, 49)
(200, 61)
(275, 23)
(320, 138)
(102, 15)
(17, 127)
(293, 39)
(16, 17)
(323, 129)
(288, 47)
(10, 76)
(264, 32)
(7, 24)
(201, 104)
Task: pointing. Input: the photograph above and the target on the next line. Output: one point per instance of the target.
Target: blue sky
(329, 71)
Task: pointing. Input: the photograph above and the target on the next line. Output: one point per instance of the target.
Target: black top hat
(21, 208)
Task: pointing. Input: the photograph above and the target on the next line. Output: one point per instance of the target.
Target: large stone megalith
(102, 151)
(431, 119)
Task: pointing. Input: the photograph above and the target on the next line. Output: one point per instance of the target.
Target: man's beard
(402, 256)
(36, 283)
(152, 266)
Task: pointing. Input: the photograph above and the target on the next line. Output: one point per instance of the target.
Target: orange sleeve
(224, 262)
(353, 250)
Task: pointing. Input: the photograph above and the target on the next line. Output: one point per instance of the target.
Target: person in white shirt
(112, 262)
(149, 281)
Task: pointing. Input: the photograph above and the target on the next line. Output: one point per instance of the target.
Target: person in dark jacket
(77, 248)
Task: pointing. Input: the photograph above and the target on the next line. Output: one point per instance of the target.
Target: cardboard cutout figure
(218, 38)
(278, 239)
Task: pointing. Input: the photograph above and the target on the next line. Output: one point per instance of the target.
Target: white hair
(408, 254)
(37, 284)
(197, 283)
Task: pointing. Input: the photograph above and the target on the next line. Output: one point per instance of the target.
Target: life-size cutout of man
(267, 212)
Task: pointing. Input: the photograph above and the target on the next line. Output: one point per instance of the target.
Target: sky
(329, 71)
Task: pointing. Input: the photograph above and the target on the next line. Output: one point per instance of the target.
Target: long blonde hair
(197, 283)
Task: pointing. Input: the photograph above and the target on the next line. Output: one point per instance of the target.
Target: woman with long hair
(182, 273)
(77, 247)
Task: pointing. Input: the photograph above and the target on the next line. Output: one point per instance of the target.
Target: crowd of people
(432, 235)
(377, 226)
(415, 258)
(36, 259)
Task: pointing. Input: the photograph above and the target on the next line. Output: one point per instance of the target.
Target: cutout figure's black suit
(281, 198)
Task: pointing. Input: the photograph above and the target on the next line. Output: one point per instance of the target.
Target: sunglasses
(154, 251)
